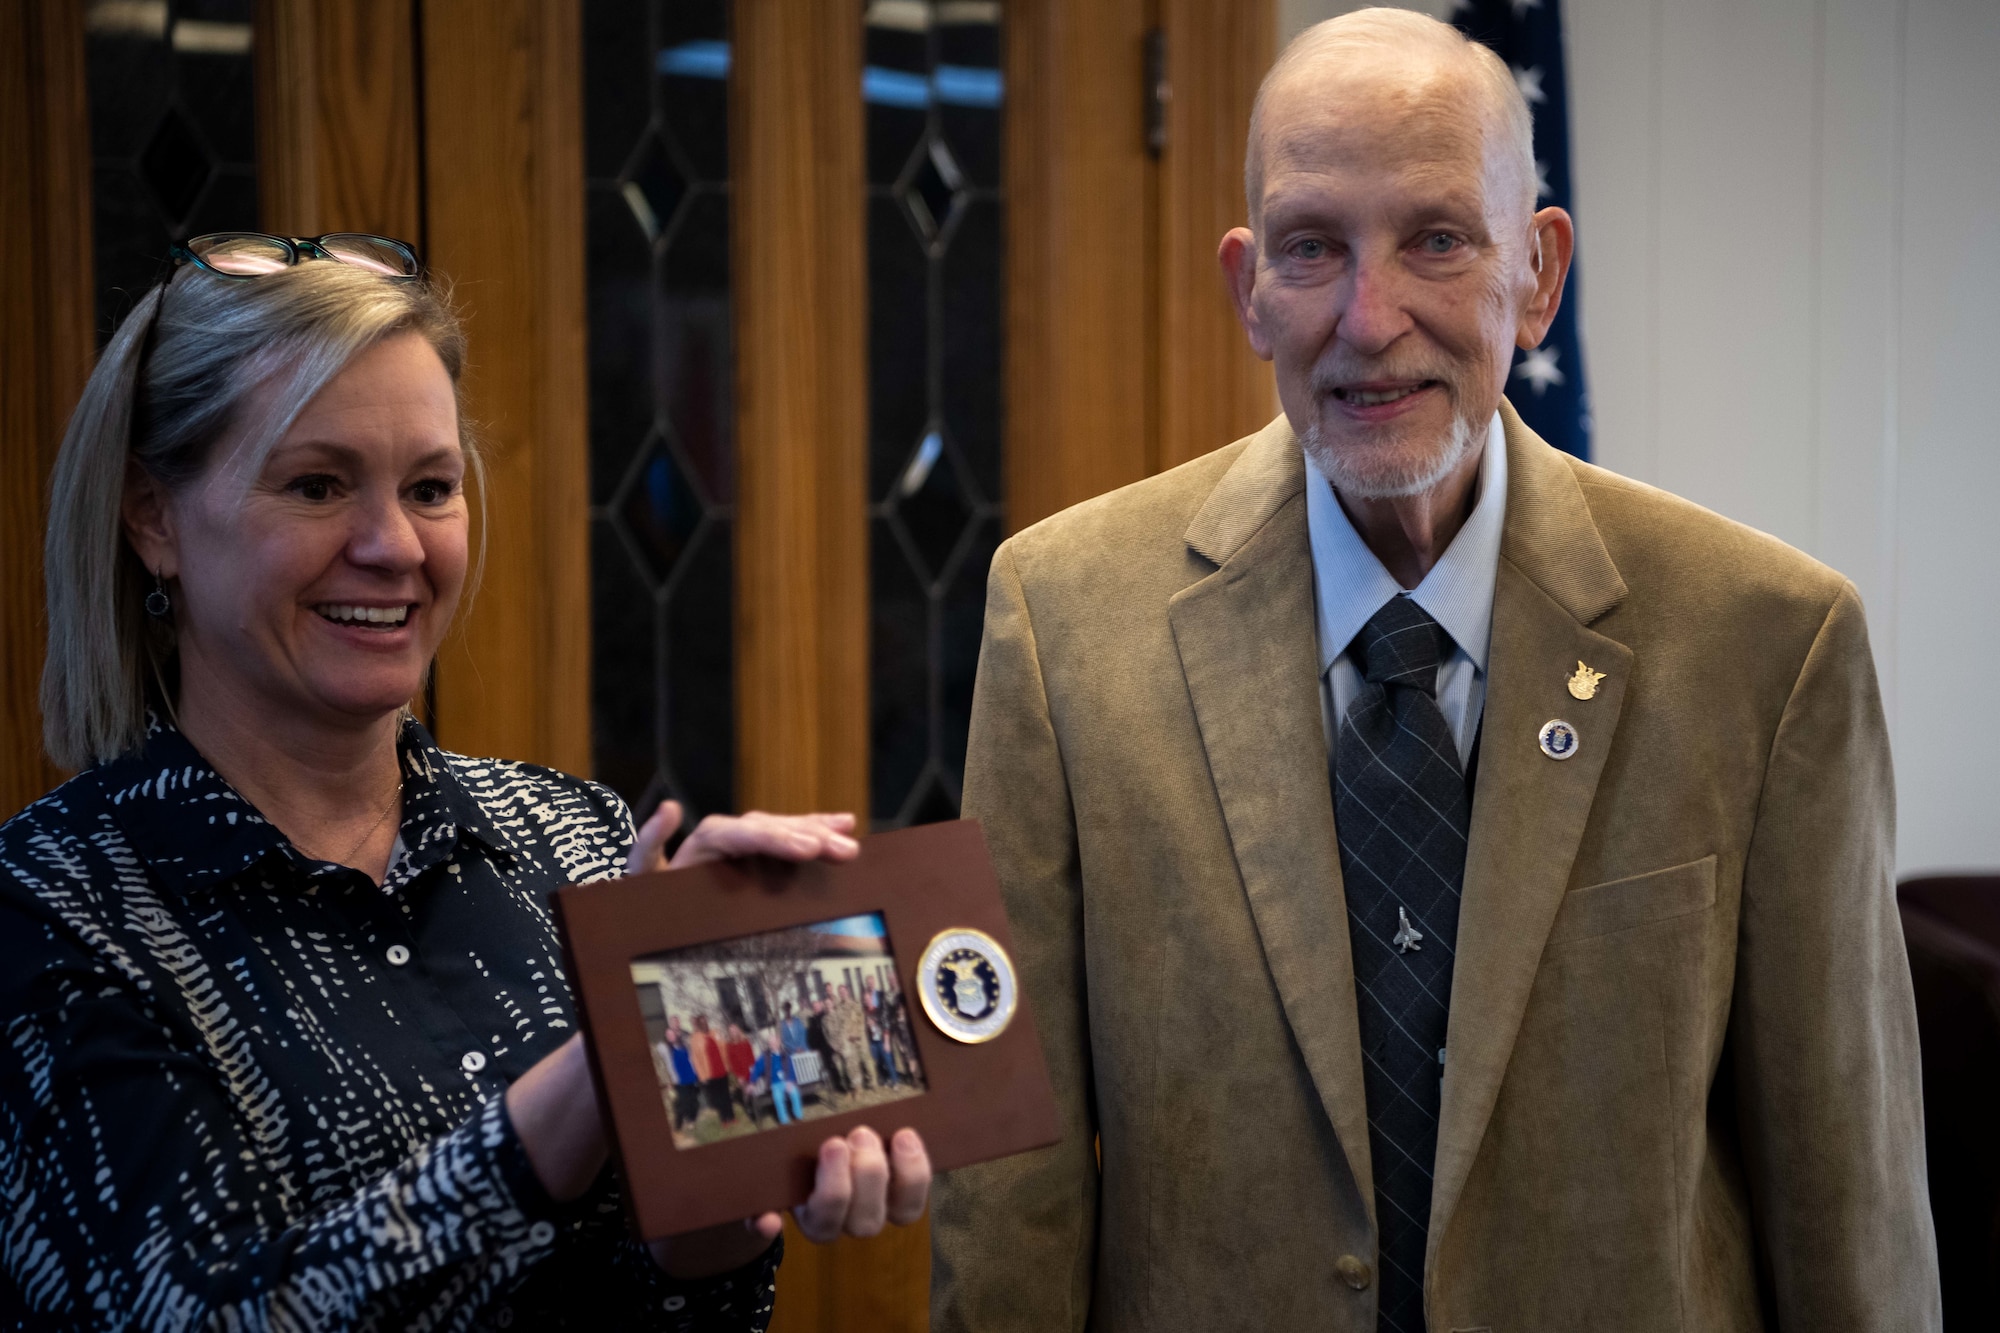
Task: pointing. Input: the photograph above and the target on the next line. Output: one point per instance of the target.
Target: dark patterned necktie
(1401, 807)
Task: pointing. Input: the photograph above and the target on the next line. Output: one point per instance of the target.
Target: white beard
(1413, 477)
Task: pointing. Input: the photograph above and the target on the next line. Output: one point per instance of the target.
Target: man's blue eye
(1311, 249)
(1438, 243)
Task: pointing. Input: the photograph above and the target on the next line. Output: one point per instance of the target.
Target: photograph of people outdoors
(795, 1024)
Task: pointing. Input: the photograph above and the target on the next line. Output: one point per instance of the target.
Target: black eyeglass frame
(297, 249)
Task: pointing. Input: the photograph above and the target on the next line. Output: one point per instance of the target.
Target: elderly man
(1453, 882)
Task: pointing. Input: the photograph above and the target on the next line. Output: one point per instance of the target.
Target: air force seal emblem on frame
(966, 983)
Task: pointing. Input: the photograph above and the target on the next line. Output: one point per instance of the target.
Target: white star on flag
(1542, 190)
(1457, 7)
(1538, 368)
(1529, 81)
(1523, 6)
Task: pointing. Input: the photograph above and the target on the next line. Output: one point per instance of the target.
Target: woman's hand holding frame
(859, 1185)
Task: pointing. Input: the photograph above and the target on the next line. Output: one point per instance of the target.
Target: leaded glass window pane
(173, 135)
(932, 91)
(662, 371)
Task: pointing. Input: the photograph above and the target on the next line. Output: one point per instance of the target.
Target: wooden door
(45, 343)
(1124, 356)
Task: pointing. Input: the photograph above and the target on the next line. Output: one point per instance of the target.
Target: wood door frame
(1083, 414)
(458, 125)
(338, 143)
(503, 194)
(800, 282)
(46, 342)
(1209, 387)
(1120, 364)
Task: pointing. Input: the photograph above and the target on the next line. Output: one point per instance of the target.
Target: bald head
(1407, 63)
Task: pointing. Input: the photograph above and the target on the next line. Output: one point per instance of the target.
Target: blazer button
(1353, 1272)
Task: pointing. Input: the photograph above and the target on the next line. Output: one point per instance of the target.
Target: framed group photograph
(788, 1025)
(740, 1013)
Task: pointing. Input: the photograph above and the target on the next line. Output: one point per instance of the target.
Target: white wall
(1788, 219)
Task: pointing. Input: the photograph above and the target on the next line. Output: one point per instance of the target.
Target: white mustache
(1335, 377)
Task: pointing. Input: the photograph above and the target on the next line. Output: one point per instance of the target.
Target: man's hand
(858, 1188)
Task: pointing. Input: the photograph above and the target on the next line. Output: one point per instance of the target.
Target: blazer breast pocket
(1637, 900)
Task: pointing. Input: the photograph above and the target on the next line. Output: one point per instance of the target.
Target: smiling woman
(320, 580)
(289, 1045)
(221, 356)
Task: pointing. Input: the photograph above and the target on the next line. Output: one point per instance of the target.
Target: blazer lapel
(1529, 810)
(1248, 649)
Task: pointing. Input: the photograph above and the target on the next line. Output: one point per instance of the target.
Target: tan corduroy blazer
(1682, 1084)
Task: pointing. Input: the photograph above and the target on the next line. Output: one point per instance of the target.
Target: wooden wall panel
(46, 342)
(337, 136)
(503, 188)
(1123, 354)
(800, 276)
(1078, 241)
(1212, 388)
(802, 537)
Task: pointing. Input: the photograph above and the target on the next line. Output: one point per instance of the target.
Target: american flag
(1547, 385)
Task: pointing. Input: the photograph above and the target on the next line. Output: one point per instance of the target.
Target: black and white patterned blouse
(242, 1089)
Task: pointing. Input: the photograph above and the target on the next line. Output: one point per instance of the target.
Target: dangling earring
(157, 601)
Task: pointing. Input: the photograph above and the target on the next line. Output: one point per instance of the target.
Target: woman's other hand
(859, 1187)
(788, 837)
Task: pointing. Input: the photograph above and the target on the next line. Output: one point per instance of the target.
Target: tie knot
(1400, 645)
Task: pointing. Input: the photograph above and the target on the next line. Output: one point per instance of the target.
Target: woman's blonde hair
(176, 378)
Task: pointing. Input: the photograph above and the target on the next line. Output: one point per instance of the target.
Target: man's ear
(149, 521)
(1551, 244)
(1238, 256)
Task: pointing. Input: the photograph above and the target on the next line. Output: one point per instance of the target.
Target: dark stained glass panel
(932, 90)
(173, 135)
(662, 367)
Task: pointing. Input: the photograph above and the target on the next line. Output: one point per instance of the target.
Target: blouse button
(398, 955)
(542, 1233)
(1354, 1272)
(504, 1317)
(472, 1062)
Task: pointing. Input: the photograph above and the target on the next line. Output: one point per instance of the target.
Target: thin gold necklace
(394, 796)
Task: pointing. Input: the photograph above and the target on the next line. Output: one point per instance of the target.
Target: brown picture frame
(983, 1100)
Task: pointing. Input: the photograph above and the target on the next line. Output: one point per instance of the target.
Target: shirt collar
(1351, 584)
(438, 808)
(194, 830)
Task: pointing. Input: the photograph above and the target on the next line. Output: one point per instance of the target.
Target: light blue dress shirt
(1350, 585)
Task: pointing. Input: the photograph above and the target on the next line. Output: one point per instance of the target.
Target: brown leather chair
(1952, 926)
